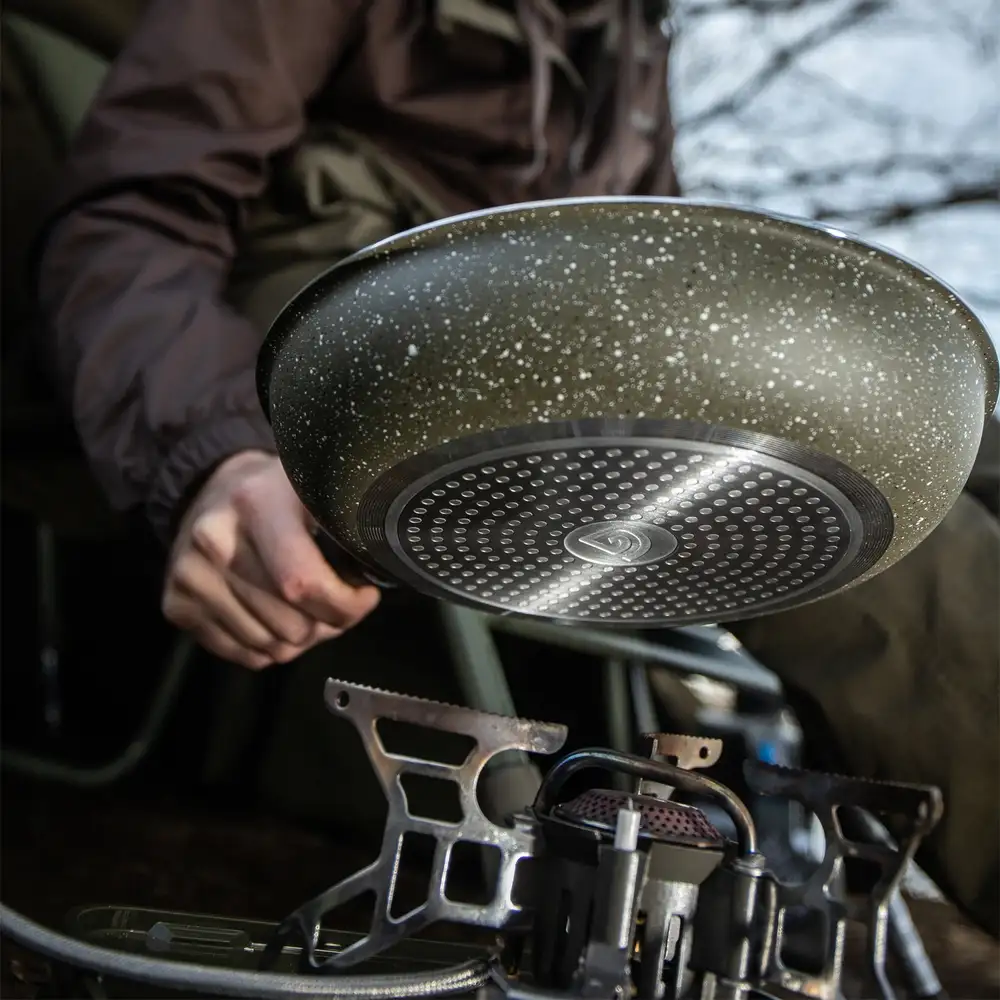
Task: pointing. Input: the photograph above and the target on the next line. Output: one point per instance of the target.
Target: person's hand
(245, 576)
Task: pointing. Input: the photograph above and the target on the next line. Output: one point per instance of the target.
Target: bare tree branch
(947, 170)
(885, 214)
(797, 105)
(709, 8)
(854, 103)
(783, 57)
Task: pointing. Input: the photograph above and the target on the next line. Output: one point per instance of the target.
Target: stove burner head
(660, 819)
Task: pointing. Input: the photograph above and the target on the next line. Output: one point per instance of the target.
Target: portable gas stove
(573, 411)
(594, 893)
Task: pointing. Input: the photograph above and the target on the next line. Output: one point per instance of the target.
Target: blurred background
(881, 117)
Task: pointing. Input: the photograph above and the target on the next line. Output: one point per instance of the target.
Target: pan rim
(279, 328)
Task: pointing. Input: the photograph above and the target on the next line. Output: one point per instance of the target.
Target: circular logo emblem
(620, 543)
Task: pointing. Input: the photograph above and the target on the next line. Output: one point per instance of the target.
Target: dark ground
(166, 839)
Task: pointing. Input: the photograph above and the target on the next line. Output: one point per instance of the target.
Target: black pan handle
(350, 569)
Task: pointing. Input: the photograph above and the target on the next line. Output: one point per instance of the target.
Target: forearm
(157, 370)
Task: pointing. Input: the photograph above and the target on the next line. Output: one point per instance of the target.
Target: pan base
(581, 522)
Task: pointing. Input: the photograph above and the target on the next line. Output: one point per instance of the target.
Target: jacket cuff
(193, 459)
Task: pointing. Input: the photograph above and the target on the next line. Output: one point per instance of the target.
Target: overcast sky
(874, 106)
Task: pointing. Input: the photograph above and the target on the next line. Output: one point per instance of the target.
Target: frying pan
(629, 412)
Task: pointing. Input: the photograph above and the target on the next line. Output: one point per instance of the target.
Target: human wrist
(196, 458)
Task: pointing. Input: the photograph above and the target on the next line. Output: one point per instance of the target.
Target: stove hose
(205, 979)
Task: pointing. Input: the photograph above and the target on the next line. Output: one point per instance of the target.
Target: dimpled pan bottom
(700, 524)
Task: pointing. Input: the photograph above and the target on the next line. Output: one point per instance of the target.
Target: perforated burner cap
(626, 530)
(662, 820)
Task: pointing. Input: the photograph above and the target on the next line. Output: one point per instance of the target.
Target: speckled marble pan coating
(619, 308)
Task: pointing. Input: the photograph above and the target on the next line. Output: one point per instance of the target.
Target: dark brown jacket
(482, 102)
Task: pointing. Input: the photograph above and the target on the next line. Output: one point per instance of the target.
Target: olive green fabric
(55, 54)
(31, 155)
(101, 26)
(334, 195)
(65, 75)
(54, 57)
(905, 672)
(984, 483)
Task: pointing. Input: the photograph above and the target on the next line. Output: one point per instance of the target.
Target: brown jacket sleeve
(158, 371)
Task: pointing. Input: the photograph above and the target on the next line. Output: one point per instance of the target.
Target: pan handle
(347, 566)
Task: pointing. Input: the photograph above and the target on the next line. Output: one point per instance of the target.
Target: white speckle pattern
(628, 309)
